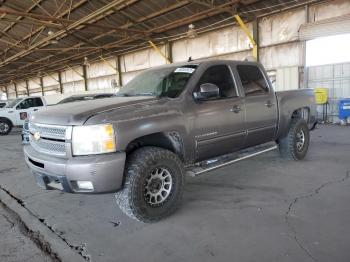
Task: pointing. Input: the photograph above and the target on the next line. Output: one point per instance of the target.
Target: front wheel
(154, 181)
(5, 127)
(296, 143)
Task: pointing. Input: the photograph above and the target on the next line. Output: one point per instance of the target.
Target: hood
(76, 113)
(5, 110)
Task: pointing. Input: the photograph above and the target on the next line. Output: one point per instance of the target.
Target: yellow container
(321, 95)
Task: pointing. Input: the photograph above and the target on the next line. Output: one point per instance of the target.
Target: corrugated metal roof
(47, 35)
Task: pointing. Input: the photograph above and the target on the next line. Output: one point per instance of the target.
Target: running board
(215, 163)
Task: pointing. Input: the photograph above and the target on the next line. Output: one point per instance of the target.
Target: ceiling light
(191, 33)
(86, 61)
(53, 41)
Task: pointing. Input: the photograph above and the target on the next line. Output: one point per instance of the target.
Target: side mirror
(207, 91)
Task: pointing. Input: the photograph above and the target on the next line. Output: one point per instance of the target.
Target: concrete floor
(262, 209)
(14, 244)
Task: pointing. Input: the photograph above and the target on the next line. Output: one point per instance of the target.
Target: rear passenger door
(260, 104)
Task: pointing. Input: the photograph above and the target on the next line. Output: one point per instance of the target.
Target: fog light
(86, 185)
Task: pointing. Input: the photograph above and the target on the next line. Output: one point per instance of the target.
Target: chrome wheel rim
(4, 127)
(158, 186)
(300, 140)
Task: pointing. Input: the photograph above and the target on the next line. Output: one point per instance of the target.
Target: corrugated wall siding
(279, 48)
(336, 78)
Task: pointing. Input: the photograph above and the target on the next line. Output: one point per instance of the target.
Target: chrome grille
(49, 147)
(48, 131)
(52, 139)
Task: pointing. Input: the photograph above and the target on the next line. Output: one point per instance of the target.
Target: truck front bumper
(86, 174)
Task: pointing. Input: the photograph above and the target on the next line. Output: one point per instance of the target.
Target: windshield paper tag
(187, 70)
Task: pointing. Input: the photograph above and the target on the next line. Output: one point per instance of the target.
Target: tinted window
(252, 79)
(220, 76)
(30, 102)
(37, 102)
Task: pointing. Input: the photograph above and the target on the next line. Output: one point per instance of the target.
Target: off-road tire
(288, 144)
(132, 198)
(7, 122)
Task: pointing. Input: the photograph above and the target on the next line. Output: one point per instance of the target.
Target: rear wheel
(5, 127)
(296, 143)
(154, 181)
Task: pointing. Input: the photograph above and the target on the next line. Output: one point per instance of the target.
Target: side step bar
(215, 163)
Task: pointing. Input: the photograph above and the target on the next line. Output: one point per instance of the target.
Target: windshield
(13, 103)
(168, 82)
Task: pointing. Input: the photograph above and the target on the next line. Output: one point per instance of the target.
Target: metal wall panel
(34, 86)
(50, 79)
(72, 75)
(73, 87)
(287, 78)
(336, 78)
(328, 10)
(143, 59)
(101, 83)
(102, 68)
(282, 56)
(280, 28)
(212, 44)
(332, 26)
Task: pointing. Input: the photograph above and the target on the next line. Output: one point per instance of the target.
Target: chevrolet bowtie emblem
(36, 136)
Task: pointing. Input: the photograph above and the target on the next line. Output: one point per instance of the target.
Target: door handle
(236, 109)
(35, 109)
(269, 104)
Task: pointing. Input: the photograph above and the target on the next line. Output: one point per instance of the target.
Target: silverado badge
(36, 136)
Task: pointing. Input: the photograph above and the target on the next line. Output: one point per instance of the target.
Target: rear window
(252, 79)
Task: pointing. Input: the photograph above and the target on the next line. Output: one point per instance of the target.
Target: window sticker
(187, 70)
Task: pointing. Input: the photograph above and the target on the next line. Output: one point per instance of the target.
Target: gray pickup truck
(168, 121)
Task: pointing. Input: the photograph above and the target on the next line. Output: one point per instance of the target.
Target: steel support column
(85, 78)
(249, 35)
(60, 82)
(27, 87)
(42, 86)
(120, 78)
(7, 92)
(256, 37)
(15, 85)
(169, 51)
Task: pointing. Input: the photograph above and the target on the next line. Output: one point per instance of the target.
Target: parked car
(3, 103)
(74, 98)
(15, 112)
(187, 117)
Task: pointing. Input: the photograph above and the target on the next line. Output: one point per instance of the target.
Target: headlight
(92, 140)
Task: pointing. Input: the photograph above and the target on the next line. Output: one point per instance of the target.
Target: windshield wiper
(137, 94)
(146, 94)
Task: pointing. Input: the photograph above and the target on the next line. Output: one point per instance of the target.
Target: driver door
(218, 122)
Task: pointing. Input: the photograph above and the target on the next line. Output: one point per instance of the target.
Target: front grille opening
(41, 165)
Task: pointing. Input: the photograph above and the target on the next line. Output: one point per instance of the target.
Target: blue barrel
(344, 108)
